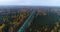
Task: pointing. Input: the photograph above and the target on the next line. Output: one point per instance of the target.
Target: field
(45, 21)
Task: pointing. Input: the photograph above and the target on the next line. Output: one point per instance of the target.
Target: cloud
(31, 2)
(8, 2)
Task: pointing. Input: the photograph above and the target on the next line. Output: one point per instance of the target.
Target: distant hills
(11, 6)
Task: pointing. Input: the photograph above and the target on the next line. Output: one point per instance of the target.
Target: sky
(31, 2)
